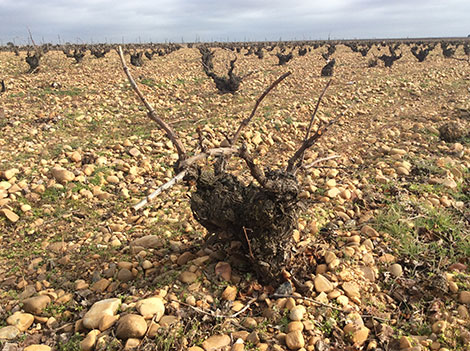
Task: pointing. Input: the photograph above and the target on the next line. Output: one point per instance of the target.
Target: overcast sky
(222, 20)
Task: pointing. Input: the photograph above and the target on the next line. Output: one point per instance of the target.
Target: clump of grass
(425, 233)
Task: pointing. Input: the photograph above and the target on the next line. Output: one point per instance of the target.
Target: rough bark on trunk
(261, 219)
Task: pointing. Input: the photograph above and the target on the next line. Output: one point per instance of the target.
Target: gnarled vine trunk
(261, 219)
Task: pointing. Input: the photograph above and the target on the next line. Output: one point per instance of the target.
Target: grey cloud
(236, 20)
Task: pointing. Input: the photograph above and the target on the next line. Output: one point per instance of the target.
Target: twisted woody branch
(261, 216)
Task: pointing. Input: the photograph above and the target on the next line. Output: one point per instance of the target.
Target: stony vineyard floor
(385, 226)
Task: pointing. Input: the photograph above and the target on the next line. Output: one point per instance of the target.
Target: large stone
(107, 322)
(9, 173)
(188, 277)
(10, 215)
(297, 313)
(37, 347)
(322, 284)
(396, 270)
(9, 333)
(148, 241)
(21, 320)
(131, 326)
(351, 289)
(62, 175)
(216, 342)
(91, 319)
(360, 335)
(151, 307)
(295, 340)
(88, 344)
(36, 304)
(230, 293)
(464, 297)
(124, 275)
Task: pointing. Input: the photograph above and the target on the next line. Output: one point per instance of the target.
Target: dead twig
(277, 296)
(249, 244)
(310, 165)
(244, 308)
(291, 164)
(216, 315)
(308, 141)
(246, 121)
(151, 112)
(159, 190)
(316, 109)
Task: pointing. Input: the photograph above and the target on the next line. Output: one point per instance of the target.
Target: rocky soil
(384, 235)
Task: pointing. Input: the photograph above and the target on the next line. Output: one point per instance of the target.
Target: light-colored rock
(36, 304)
(101, 285)
(21, 320)
(250, 323)
(10, 215)
(322, 284)
(329, 257)
(333, 192)
(396, 270)
(75, 156)
(295, 340)
(351, 289)
(151, 307)
(37, 347)
(9, 173)
(369, 231)
(107, 322)
(464, 297)
(230, 293)
(131, 344)
(187, 277)
(297, 313)
(216, 342)
(9, 333)
(402, 171)
(439, 327)
(62, 175)
(405, 342)
(359, 336)
(92, 318)
(148, 242)
(295, 325)
(89, 342)
(131, 326)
